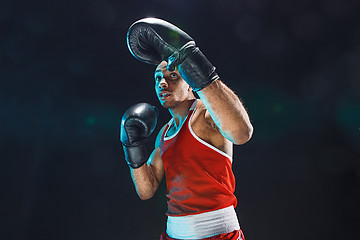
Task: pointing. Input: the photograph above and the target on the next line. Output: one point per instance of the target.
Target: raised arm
(227, 112)
(224, 107)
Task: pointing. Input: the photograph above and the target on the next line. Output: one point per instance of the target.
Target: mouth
(164, 95)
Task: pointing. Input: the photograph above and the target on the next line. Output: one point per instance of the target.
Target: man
(194, 149)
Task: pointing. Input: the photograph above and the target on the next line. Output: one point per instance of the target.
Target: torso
(195, 168)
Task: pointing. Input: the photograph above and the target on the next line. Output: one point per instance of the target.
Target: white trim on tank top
(193, 133)
(172, 120)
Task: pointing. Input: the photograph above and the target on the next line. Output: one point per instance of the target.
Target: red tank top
(198, 176)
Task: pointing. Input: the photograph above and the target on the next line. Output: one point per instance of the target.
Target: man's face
(170, 88)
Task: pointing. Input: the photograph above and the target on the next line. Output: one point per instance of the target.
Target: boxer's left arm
(227, 112)
(222, 104)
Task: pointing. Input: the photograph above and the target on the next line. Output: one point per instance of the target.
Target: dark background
(67, 76)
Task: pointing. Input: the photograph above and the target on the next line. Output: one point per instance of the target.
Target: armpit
(210, 122)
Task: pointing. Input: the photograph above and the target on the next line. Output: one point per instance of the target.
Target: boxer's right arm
(137, 124)
(148, 177)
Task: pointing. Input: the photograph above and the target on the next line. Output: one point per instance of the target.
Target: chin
(167, 105)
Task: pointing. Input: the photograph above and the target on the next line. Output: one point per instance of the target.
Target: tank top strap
(190, 113)
(193, 105)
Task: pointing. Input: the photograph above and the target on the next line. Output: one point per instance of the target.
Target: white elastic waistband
(203, 225)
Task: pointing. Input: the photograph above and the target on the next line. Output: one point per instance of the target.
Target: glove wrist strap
(135, 155)
(197, 70)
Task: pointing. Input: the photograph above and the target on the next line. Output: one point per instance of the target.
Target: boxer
(194, 150)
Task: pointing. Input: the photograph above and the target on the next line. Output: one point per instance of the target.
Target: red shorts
(235, 235)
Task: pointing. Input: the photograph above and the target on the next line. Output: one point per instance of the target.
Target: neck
(180, 112)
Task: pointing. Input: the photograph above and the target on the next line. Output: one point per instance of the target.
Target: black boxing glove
(137, 124)
(153, 40)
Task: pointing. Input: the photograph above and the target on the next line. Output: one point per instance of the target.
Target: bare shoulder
(202, 119)
(205, 128)
(155, 161)
(159, 135)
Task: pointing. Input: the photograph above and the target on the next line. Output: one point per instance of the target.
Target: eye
(158, 77)
(173, 75)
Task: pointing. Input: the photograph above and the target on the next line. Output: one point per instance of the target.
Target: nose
(163, 84)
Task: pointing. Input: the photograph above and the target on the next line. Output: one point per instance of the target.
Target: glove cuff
(197, 70)
(135, 155)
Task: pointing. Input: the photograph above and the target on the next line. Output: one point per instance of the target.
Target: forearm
(145, 181)
(227, 111)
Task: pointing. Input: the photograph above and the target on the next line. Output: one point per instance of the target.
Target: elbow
(244, 135)
(144, 195)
